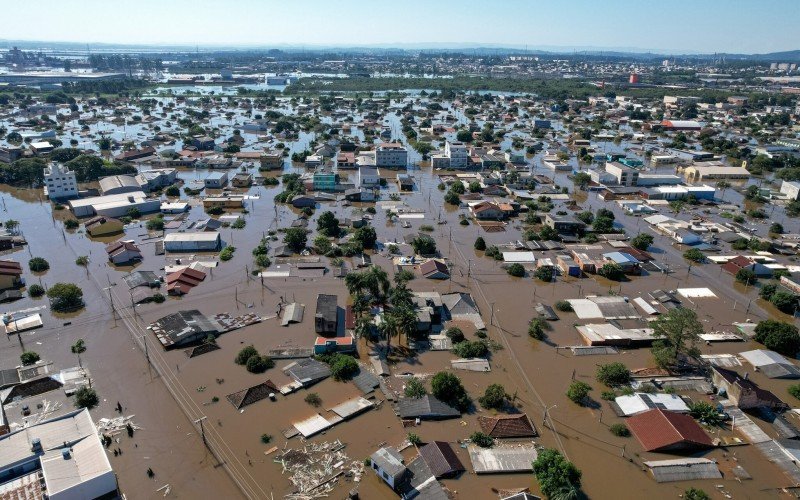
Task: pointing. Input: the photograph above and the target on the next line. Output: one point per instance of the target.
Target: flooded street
(181, 401)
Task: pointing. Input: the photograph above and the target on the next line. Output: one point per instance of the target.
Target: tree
(613, 374)
(464, 136)
(611, 271)
(71, 224)
(544, 273)
(36, 290)
(322, 244)
(564, 306)
(172, 191)
(537, 328)
(82, 261)
(776, 228)
(343, 367)
(295, 238)
(619, 430)
(313, 399)
(78, 348)
(455, 334)
(695, 493)
(778, 336)
(642, 241)
(746, 276)
(578, 391)
(480, 244)
(259, 364)
(494, 397)
(29, 358)
(516, 270)
(475, 187)
(424, 245)
(38, 265)
(452, 198)
(677, 334)
(481, 439)
(603, 225)
(366, 236)
(705, 412)
(768, 290)
(471, 349)
(586, 217)
(86, 397)
(582, 179)
(155, 224)
(785, 302)
(694, 255)
(448, 388)
(328, 224)
(65, 297)
(414, 388)
(555, 473)
(245, 354)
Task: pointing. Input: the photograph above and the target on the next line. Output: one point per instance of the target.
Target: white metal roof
(763, 357)
(519, 257)
(196, 236)
(640, 402)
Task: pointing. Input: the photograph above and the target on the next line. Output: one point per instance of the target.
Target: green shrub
(86, 397)
(266, 438)
(613, 374)
(564, 306)
(36, 290)
(578, 391)
(480, 244)
(494, 397)
(259, 364)
(619, 430)
(38, 265)
(313, 399)
(245, 354)
(516, 270)
(537, 328)
(29, 358)
(414, 388)
(481, 439)
(343, 367)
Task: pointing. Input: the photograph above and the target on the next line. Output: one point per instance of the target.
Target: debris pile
(112, 426)
(315, 468)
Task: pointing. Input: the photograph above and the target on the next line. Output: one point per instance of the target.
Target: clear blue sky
(670, 25)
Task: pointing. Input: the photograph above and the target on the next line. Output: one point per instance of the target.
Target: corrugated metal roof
(684, 469)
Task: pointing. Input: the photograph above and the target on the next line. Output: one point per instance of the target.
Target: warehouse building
(205, 241)
(114, 205)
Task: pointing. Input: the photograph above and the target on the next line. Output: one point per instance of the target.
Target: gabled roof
(441, 459)
(426, 407)
(434, 267)
(252, 394)
(507, 426)
(119, 246)
(10, 267)
(662, 430)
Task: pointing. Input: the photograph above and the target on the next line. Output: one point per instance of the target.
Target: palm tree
(406, 320)
(77, 348)
(377, 282)
(400, 296)
(389, 329)
(354, 282)
(567, 492)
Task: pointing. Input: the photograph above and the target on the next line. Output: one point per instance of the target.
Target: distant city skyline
(670, 27)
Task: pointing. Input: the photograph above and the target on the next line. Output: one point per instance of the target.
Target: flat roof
(195, 236)
(518, 458)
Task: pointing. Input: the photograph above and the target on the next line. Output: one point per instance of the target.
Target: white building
(391, 154)
(625, 175)
(791, 189)
(368, 177)
(114, 205)
(203, 241)
(457, 152)
(59, 182)
(61, 458)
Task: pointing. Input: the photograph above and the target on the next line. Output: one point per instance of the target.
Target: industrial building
(206, 241)
(58, 459)
(114, 205)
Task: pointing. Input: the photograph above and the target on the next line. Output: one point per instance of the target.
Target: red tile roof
(10, 267)
(660, 430)
(507, 426)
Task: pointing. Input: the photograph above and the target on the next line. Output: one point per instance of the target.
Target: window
(386, 476)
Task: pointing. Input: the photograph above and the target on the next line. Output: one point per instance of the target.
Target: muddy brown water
(536, 372)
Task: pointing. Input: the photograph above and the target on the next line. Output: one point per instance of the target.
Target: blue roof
(621, 257)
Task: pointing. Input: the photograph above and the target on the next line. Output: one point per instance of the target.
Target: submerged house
(326, 317)
(742, 392)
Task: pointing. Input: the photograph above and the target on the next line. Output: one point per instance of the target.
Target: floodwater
(166, 405)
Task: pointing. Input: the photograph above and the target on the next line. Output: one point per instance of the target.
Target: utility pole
(202, 429)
